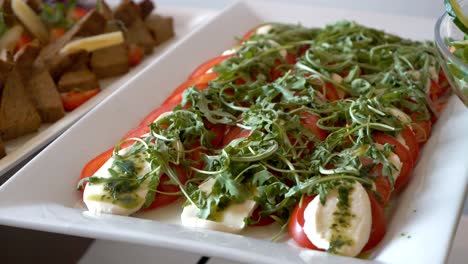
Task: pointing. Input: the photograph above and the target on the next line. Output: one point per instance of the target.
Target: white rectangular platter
(42, 196)
(185, 20)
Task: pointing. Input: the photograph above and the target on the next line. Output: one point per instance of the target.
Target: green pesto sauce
(125, 200)
(341, 220)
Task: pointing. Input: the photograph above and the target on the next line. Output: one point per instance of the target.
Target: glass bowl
(455, 69)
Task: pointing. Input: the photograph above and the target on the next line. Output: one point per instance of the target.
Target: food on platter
(315, 129)
(53, 54)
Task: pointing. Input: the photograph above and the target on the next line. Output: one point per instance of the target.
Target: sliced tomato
(383, 186)
(77, 13)
(296, 224)
(291, 59)
(93, 165)
(207, 65)
(24, 40)
(310, 121)
(218, 130)
(421, 128)
(331, 93)
(379, 225)
(248, 35)
(233, 133)
(404, 155)
(135, 55)
(56, 33)
(166, 199)
(262, 220)
(412, 143)
(201, 82)
(74, 99)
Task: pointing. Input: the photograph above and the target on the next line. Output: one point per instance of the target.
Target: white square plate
(41, 195)
(185, 20)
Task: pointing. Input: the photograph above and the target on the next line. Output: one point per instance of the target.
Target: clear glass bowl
(455, 69)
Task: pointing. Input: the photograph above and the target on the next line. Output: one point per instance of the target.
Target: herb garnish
(281, 159)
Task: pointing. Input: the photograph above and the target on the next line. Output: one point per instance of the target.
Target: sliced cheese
(93, 43)
(98, 199)
(319, 218)
(30, 19)
(230, 220)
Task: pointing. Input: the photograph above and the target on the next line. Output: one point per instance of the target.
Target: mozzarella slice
(263, 30)
(395, 160)
(319, 218)
(229, 220)
(98, 199)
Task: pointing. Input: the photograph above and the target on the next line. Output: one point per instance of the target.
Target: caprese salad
(312, 128)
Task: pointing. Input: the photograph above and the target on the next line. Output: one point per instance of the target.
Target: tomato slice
(56, 33)
(74, 99)
(135, 55)
(331, 93)
(78, 13)
(201, 82)
(263, 220)
(403, 154)
(207, 65)
(309, 121)
(296, 224)
(24, 40)
(218, 130)
(93, 165)
(166, 199)
(421, 128)
(233, 133)
(248, 35)
(379, 225)
(412, 143)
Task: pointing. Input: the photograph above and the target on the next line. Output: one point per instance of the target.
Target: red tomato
(383, 186)
(296, 224)
(73, 99)
(291, 59)
(93, 165)
(135, 55)
(233, 133)
(412, 143)
(421, 128)
(200, 82)
(203, 68)
(165, 199)
(218, 130)
(403, 154)
(248, 35)
(379, 225)
(78, 13)
(23, 41)
(264, 220)
(56, 33)
(310, 121)
(331, 93)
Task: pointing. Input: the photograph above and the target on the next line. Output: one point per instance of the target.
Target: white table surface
(116, 252)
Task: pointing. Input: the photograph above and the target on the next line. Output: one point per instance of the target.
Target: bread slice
(18, 116)
(45, 97)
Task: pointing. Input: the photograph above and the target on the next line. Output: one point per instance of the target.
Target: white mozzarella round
(263, 30)
(92, 191)
(230, 220)
(318, 220)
